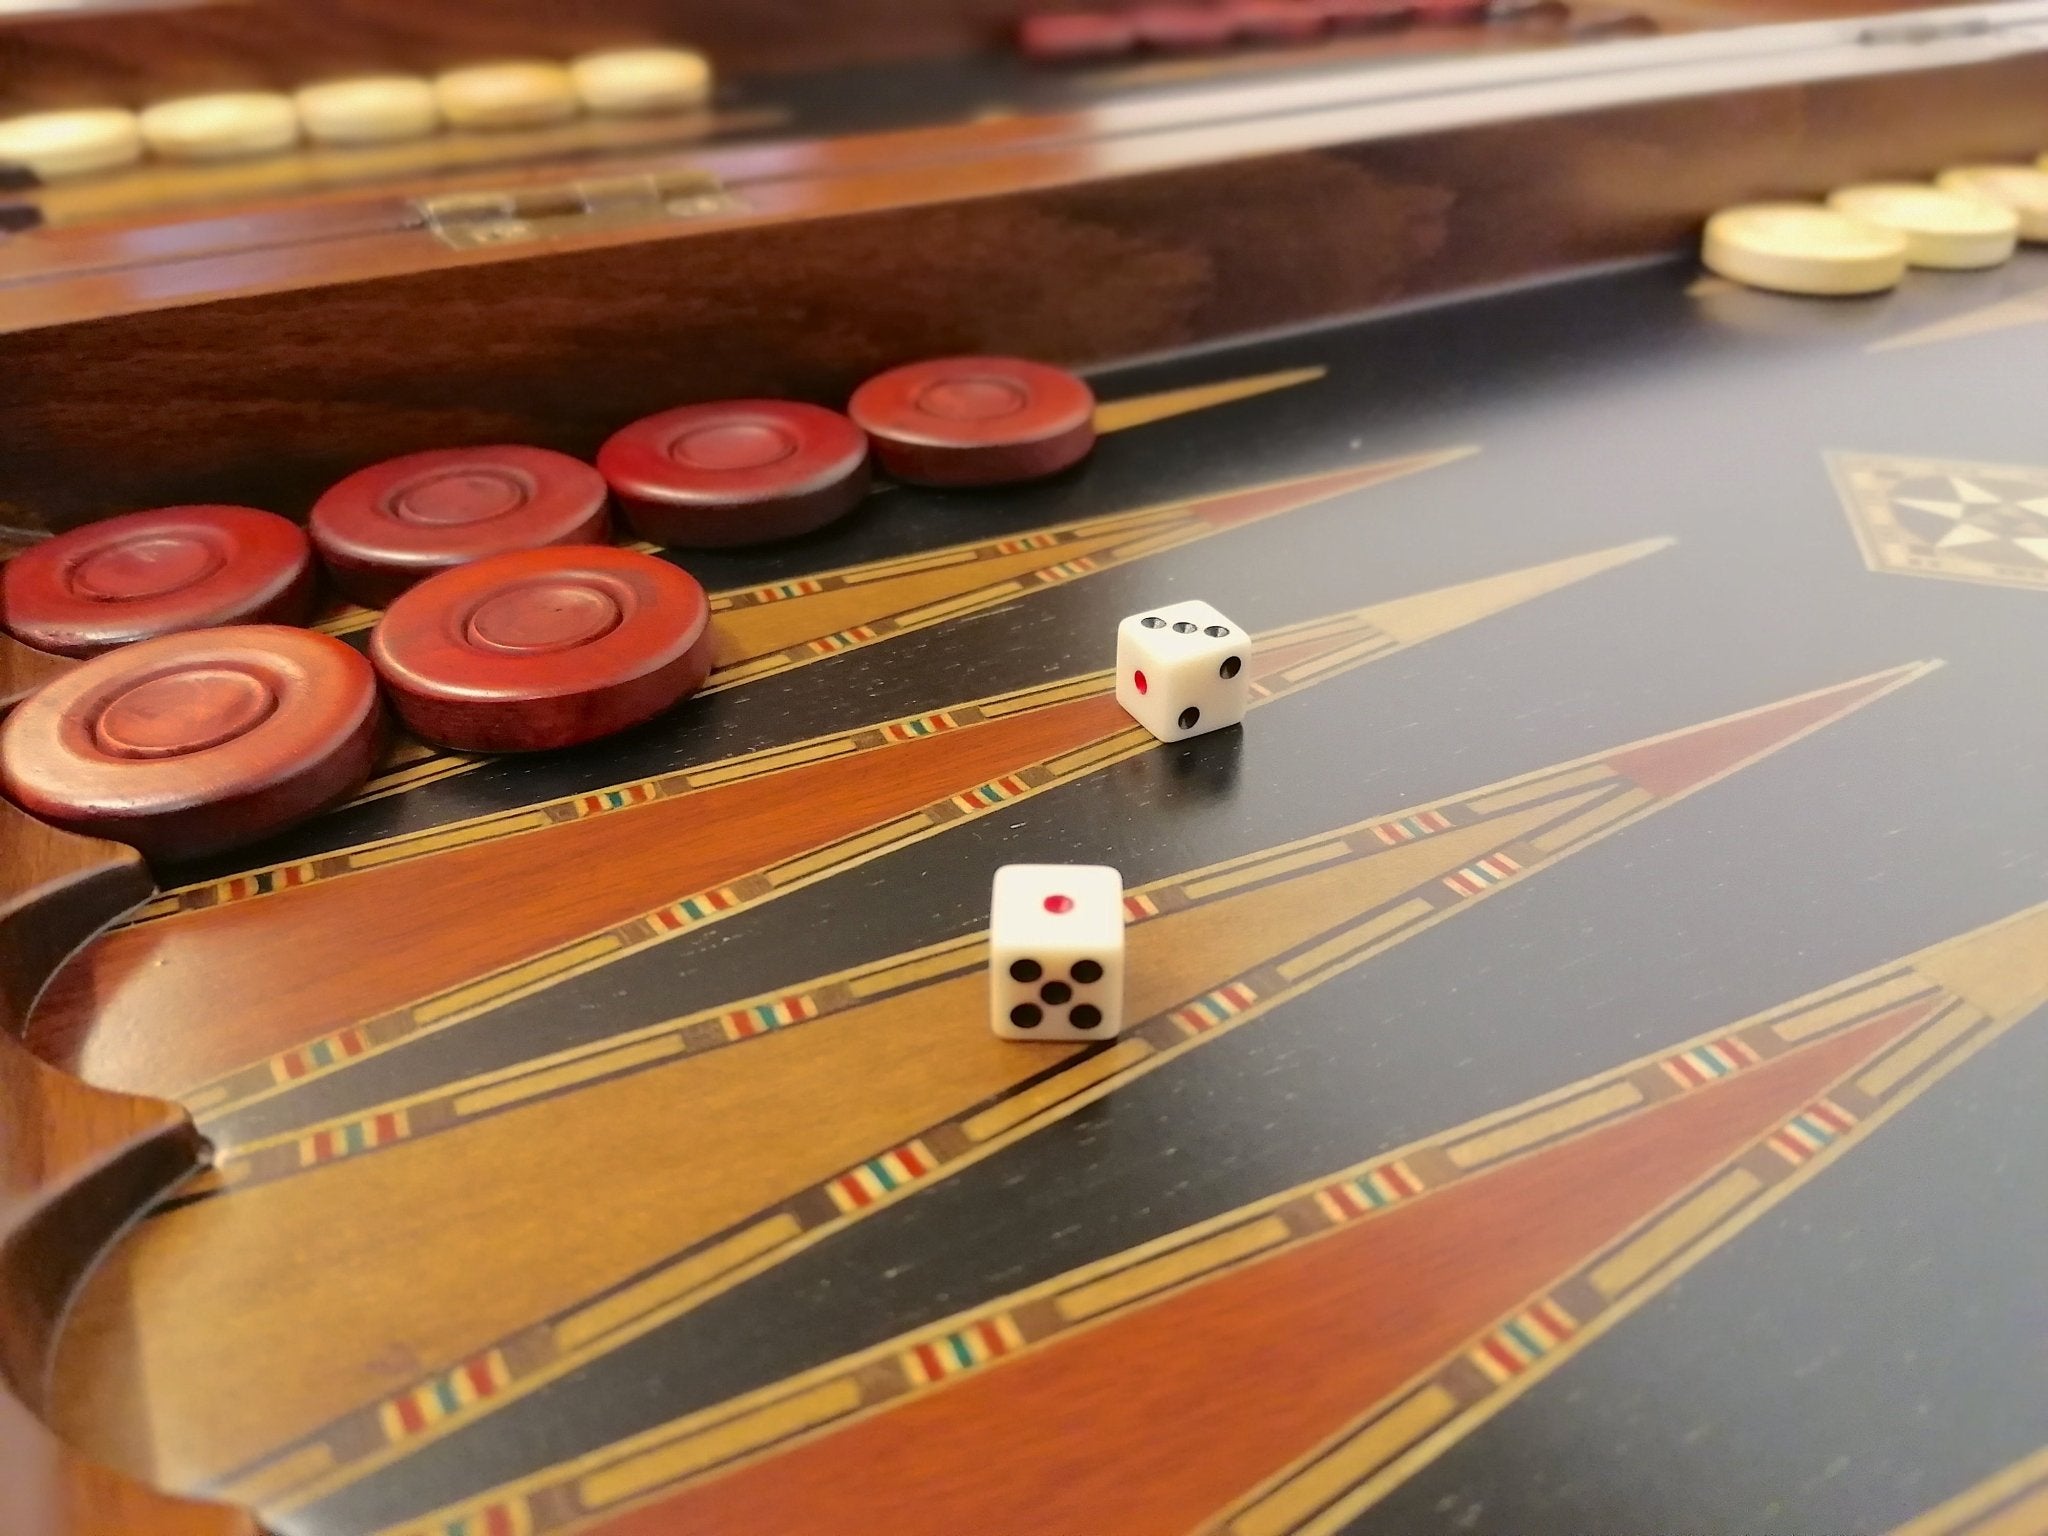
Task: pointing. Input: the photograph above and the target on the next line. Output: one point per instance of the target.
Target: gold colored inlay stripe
(840, 852)
(1154, 1275)
(1674, 1232)
(1491, 1146)
(748, 1432)
(496, 988)
(1019, 1107)
(1809, 1022)
(1911, 1055)
(1542, 788)
(581, 1329)
(1301, 858)
(1606, 814)
(1286, 1507)
(534, 1084)
(1373, 928)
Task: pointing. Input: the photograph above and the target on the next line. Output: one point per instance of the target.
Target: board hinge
(468, 219)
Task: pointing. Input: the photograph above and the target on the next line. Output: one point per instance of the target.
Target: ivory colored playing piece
(735, 472)
(1947, 230)
(976, 420)
(1056, 952)
(221, 127)
(146, 574)
(1180, 670)
(395, 523)
(378, 109)
(59, 144)
(1802, 248)
(628, 81)
(190, 744)
(543, 648)
(520, 94)
(2022, 188)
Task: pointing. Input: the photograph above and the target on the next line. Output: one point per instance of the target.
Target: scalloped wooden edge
(77, 1163)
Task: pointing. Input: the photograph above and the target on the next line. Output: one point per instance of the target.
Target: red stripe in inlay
(1345, 1200)
(1687, 1070)
(479, 1374)
(1830, 1117)
(387, 1127)
(928, 1357)
(410, 1414)
(1402, 1184)
(1501, 1355)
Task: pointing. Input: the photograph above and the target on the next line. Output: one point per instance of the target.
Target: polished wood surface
(608, 1140)
(76, 1164)
(1187, 234)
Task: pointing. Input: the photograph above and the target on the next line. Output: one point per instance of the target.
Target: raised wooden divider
(76, 1165)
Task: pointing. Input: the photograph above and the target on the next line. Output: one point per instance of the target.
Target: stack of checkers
(375, 109)
(1863, 238)
(179, 711)
(1201, 26)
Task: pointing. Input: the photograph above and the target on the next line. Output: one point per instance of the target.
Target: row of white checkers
(1056, 931)
(1863, 238)
(379, 109)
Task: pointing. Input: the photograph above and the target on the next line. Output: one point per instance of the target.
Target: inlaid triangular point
(1684, 760)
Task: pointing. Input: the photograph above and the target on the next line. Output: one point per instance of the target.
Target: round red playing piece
(736, 471)
(1276, 21)
(157, 573)
(190, 744)
(401, 521)
(1058, 37)
(543, 648)
(1184, 28)
(976, 420)
(1366, 15)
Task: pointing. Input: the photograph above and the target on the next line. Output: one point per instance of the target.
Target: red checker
(543, 648)
(976, 420)
(1366, 15)
(396, 523)
(1277, 21)
(191, 744)
(157, 573)
(1066, 37)
(1184, 28)
(736, 472)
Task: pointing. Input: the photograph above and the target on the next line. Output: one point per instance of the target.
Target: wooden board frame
(185, 378)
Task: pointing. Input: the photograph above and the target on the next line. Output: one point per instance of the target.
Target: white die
(1180, 670)
(1056, 952)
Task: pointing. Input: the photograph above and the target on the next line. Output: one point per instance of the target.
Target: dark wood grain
(116, 53)
(76, 1163)
(150, 405)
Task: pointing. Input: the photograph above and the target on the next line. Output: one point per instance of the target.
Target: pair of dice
(1056, 931)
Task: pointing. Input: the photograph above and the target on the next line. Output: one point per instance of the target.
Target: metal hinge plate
(466, 220)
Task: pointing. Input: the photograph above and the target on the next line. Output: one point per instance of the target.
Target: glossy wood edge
(795, 179)
(1174, 237)
(58, 54)
(76, 1165)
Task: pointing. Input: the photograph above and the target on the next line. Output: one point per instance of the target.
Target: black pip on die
(1180, 670)
(1056, 952)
